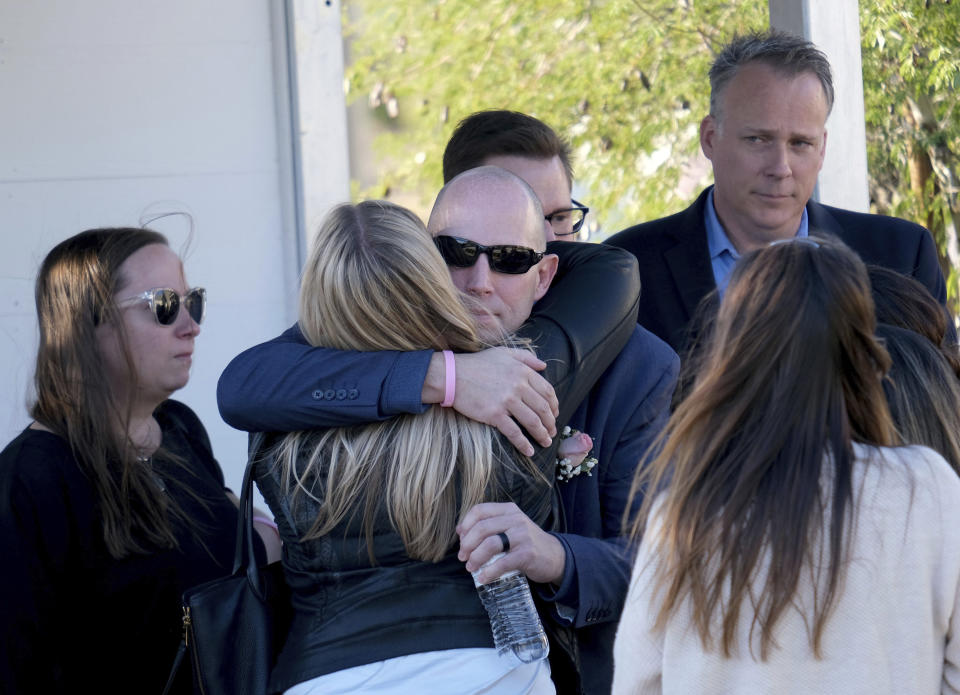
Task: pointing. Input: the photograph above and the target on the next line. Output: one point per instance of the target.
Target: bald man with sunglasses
(579, 568)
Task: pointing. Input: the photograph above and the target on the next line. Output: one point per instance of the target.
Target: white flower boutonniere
(573, 454)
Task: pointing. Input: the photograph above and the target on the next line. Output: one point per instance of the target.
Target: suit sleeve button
(317, 395)
(341, 394)
(330, 394)
(352, 394)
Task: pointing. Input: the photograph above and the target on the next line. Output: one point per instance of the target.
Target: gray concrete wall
(114, 112)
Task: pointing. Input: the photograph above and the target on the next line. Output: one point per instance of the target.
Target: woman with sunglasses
(793, 549)
(111, 502)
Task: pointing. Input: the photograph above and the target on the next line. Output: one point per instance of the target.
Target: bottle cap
(488, 563)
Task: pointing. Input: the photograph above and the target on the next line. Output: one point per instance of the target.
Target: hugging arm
(585, 319)
(286, 384)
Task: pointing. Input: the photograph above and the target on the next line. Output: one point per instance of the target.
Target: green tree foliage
(911, 70)
(625, 81)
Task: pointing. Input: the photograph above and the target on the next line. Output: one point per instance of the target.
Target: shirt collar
(717, 239)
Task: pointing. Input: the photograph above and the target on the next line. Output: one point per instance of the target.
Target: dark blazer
(676, 274)
(625, 411)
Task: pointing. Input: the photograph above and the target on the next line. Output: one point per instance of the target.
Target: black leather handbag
(234, 626)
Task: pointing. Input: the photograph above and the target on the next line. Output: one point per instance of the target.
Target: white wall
(835, 29)
(113, 109)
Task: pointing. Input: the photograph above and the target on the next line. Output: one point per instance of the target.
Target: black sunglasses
(165, 303)
(574, 215)
(504, 258)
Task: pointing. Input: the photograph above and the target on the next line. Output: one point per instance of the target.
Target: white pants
(447, 672)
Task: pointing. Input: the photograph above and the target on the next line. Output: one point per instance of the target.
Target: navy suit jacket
(624, 412)
(676, 274)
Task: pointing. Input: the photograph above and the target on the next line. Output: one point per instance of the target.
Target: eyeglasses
(571, 218)
(165, 303)
(504, 258)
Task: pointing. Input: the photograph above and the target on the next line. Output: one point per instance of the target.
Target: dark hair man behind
(487, 134)
(765, 135)
(529, 148)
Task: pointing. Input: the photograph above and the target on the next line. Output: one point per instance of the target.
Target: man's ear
(546, 269)
(708, 129)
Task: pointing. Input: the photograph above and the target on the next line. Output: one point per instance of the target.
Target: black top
(72, 617)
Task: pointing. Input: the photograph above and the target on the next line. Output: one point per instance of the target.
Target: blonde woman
(369, 513)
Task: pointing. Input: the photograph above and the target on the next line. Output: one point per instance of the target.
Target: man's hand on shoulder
(500, 387)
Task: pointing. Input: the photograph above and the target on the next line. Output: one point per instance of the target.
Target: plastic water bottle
(513, 617)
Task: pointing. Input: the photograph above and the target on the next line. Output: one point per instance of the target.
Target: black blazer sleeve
(586, 318)
(578, 328)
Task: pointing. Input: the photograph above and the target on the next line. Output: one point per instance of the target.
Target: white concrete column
(321, 161)
(834, 27)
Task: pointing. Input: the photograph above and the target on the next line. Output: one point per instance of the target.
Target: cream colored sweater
(896, 624)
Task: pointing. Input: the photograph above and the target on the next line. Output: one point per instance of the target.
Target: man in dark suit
(766, 137)
(623, 414)
(580, 570)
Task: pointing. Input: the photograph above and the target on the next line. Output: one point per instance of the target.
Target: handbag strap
(244, 557)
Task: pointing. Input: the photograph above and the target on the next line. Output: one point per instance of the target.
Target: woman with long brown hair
(791, 549)
(111, 502)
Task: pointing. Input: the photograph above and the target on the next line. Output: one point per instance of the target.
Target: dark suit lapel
(689, 259)
(822, 223)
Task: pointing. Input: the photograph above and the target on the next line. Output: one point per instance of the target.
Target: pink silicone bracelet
(450, 387)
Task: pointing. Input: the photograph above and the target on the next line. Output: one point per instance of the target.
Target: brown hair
(786, 53)
(75, 294)
(923, 393)
(497, 132)
(904, 302)
(791, 377)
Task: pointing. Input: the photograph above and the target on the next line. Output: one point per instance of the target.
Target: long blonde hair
(375, 281)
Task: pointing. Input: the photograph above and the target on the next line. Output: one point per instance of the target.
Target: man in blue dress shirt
(766, 138)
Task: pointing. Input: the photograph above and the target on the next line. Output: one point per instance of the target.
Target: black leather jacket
(348, 611)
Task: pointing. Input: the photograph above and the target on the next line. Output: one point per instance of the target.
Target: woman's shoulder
(917, 474)
(920, 460)
(173, 413)
(37, 470)
(182, 428)
(186, 436)
(36, 454)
